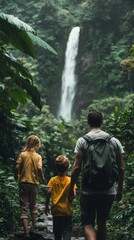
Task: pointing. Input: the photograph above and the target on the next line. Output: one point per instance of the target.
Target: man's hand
(75, 174)
(71, 195)
(118, 196)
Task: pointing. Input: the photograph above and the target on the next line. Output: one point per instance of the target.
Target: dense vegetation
(105, 65)
(30, 91)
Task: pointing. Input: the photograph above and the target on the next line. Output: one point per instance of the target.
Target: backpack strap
(87, 138)
(113, 143)
(90, 140)
(108, 137)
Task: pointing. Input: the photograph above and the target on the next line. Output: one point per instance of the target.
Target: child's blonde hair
(31, 142)
(62, 163)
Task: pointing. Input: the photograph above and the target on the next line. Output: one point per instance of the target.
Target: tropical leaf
(21, 35)
(7, 103)
(8, 21)
(19, 95)
(41, 43)
(21, 41)
(9, 62)
(2, 86)
(31, 90)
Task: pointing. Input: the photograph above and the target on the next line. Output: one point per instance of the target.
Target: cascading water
(68, 76)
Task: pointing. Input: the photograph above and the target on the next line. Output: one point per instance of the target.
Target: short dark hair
(94, 118)
(62, 163)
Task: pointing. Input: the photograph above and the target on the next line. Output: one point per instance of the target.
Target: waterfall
(68, 75)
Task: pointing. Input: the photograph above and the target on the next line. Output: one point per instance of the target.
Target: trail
(45, 228)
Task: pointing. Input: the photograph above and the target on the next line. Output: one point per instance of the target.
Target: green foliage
(107, 35)
(21, 35)
(36, 40)
(104, 68)
(16, 82)
(121, 125)
(106, 106)
(119, 122)
(57, 138)
(105, 41)
(9, 202)
(121, 223)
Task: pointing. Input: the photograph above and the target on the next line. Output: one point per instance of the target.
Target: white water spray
(68, 76)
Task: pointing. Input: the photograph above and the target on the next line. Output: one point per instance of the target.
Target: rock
(44, 228)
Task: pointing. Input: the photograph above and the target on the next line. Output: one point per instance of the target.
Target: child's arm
(41, 174)
(40, 168)
(74, 192)
(17, 171)
(49, 192)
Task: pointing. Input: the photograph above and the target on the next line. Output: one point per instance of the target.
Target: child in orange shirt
(61, 208)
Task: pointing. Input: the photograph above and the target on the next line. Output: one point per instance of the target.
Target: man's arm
(120, 163)
(75, 174)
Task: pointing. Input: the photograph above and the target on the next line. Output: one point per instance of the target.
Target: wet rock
(45, 228)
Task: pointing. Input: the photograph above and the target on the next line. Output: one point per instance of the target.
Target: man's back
(82, 147)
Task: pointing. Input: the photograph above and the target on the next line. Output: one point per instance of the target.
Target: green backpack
(100, 170)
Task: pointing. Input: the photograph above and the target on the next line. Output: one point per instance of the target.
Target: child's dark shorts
(62, 227)
(95, 207)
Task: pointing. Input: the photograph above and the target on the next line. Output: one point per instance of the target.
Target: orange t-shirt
(60, 188)
(29, 162)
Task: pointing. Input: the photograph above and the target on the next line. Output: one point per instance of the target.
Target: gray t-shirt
(82, 144)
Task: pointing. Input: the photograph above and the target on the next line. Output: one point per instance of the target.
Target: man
(96, 205)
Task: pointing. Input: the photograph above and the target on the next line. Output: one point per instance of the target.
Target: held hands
(71, 195)
(118, 196)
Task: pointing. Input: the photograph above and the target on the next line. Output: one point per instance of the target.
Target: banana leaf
(21, 35)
